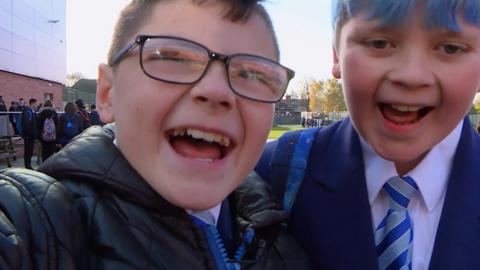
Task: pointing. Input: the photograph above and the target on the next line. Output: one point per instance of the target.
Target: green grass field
(277, 131)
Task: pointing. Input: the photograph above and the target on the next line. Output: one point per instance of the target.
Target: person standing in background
(94, 116)
(83, 113)
(3, 107)
(3, 118)
(29, 125)
(70, 124)
(12, 116)
(47, 129)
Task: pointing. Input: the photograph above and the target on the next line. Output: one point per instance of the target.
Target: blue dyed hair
(438, 13)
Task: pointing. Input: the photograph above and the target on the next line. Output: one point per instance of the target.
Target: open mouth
(201, 145)
(402, 114)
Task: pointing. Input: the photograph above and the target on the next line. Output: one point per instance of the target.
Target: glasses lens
(173, 60)
(257, 78)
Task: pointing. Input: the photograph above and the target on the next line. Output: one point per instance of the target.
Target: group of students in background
(53, 129)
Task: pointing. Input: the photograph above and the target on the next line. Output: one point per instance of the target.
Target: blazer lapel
(342, 220)
(457, 243)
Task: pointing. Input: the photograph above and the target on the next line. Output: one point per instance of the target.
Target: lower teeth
(209, 160)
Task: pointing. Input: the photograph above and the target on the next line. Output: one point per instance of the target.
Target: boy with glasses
(190, 87)
(396, 185)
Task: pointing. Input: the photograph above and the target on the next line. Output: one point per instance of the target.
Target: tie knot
(400, 190)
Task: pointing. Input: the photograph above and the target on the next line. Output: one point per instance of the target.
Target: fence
(6, 128)
(474, 118)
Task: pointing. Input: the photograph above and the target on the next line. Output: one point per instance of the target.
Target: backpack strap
(289, 162)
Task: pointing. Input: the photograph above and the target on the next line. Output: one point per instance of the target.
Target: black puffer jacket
(39, 228)
(123, 222)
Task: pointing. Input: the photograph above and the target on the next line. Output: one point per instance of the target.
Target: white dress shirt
(209, 216)
(425, 208)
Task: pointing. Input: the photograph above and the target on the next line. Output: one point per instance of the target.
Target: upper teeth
(406, 108)
(207, 136)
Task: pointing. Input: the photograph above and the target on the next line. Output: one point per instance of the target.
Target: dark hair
(70, 107)
(138, 12)
(31, 101)
(93, 107)
(79, 103)
(48, 103)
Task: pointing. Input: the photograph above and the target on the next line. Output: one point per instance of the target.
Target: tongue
(399, 117)
(198, 149)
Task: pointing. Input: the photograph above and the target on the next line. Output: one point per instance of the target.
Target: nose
(412, 70)
(213, 90)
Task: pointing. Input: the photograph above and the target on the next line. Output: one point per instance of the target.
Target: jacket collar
(92, 158)
(340, 154)
(464, 184)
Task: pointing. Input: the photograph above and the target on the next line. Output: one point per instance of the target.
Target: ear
(336, 65)
(104, 91)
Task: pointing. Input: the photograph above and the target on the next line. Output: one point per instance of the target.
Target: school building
(288, 111)
(32, 50)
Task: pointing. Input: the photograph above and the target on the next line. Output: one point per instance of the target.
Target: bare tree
(73, 78)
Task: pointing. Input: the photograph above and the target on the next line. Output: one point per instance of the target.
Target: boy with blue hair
(396, 185)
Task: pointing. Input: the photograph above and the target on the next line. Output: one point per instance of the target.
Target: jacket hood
(255, 203)
(92, 158)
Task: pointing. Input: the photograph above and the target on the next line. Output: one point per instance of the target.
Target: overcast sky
(302, 26)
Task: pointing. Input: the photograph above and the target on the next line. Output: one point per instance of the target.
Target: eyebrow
(374, 26)
(466, 32)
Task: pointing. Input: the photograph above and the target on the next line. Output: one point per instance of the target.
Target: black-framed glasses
(182, 61)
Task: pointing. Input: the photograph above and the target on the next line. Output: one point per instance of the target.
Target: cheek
(461, 82)
(361, 77)
(257, 121)
(262, 118)
(358, 72)
(459, 91)
(137, 115)
(256, 124)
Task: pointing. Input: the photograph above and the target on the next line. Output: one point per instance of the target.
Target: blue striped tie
(394, 235)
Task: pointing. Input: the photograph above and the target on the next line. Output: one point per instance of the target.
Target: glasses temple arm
(117, 57)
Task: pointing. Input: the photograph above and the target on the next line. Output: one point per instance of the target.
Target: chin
(405, 160)
(198, 205)
(198, 201)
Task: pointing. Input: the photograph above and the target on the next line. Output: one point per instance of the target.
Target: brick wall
(14, 86)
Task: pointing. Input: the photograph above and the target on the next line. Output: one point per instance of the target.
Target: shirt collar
(431, 174)
(213, 212)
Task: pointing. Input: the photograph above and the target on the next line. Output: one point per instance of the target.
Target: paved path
(18, 163)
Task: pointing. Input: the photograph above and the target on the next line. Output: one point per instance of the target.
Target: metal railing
(6, 129)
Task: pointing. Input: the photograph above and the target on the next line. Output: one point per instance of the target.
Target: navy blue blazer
(331, 217)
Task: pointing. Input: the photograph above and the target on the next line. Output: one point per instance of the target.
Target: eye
(379, 44)
(452, 49)
(171, 55)
(251, 75)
